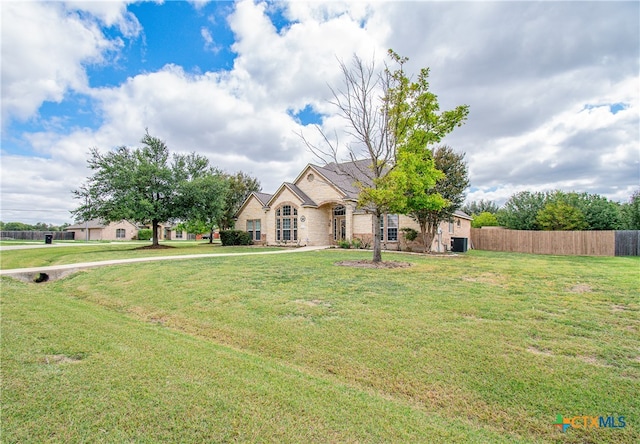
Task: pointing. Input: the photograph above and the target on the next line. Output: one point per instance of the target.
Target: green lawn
(59, 255)
(484, 347)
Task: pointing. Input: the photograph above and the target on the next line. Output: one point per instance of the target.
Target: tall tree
(239, 186)
(205, 201)
(141, 184)
(480, 206)
(362, 102)
(450, 188)
(521, 210)
(599, 212)
(559, 215)
(384, 113)
(631, 212)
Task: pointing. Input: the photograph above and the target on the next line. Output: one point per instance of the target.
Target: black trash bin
(48, 238)
(459, 244)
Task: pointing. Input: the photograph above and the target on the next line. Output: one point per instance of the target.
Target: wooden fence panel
(36, 235)
(578, 243)
(628, 243)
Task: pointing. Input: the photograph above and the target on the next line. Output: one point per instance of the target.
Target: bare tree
(363, 102)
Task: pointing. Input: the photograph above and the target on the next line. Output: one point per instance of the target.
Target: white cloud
(45, 47)
(538, 78)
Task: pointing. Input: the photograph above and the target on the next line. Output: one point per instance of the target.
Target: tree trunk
(377, 253)
(423, 232)
(211, 236)
(154, 224)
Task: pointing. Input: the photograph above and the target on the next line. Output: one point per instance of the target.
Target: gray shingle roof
(263, 197)
(306, 200)
(345, 175)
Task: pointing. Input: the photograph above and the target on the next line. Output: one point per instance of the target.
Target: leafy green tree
(558, 215)
(631, 212)
(599, 212)
(520, 212)
(430, 183)
(480, 206)
(484, 219)
(239, 186)
(17, 226)
(205, 198)
(451, 187)
(143, 184)
(394, 121)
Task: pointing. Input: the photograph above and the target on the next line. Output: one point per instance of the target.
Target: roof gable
(262, 199)
(345, 175)
(305, 200)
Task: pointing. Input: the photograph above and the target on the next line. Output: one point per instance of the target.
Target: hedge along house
(320, 208)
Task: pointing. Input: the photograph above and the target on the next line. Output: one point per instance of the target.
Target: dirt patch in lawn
(581, 288)
(155, 247)
(371, 264)
(62, 359)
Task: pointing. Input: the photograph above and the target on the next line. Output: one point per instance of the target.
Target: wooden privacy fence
(36, 235)
(579, 243)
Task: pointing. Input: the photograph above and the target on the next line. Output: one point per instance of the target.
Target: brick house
(96, 229)
(319, 208)
(122, 230)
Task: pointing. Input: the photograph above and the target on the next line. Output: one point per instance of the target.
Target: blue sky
(553, 88)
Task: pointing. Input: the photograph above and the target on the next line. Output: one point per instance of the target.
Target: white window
(392, 227)
(287, 223)
(390, 234)
(121, 233)
(253, 228)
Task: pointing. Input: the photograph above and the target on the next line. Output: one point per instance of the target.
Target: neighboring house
(319, 208)
(98, 230)
(168, 231)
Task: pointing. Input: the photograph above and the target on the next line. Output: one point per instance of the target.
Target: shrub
(409, 234)
(344, 244)
(484, 219)
(145, 234)
(235, 237)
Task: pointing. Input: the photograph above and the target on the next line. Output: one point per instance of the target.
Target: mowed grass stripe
(74, 372)
(62, 255)
(497, 342)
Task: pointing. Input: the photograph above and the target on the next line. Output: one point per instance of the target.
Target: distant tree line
(40, 226)
(557, 210)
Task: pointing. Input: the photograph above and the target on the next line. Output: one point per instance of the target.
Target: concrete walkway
(57, 271)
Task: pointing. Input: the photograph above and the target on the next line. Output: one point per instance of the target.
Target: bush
(235, 237)
(409, 234)
(145, 234)
(344, 244)
(484, 219)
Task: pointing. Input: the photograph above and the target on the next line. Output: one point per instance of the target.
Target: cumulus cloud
(540, 78)
(46, 46)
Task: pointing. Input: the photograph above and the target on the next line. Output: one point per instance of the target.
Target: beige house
(123, 230)
(319, 208)
(98, 230)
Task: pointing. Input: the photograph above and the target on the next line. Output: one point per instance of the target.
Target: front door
(339, 228)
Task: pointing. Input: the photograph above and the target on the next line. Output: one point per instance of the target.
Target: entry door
(339, 228)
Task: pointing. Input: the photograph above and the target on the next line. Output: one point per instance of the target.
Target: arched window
(287, 223)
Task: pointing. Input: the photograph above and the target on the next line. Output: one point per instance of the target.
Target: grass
(485, 347)
(59, 255)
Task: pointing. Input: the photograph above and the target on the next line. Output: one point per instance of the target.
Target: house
(123, 230)
(319, 208)
(96, 229)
